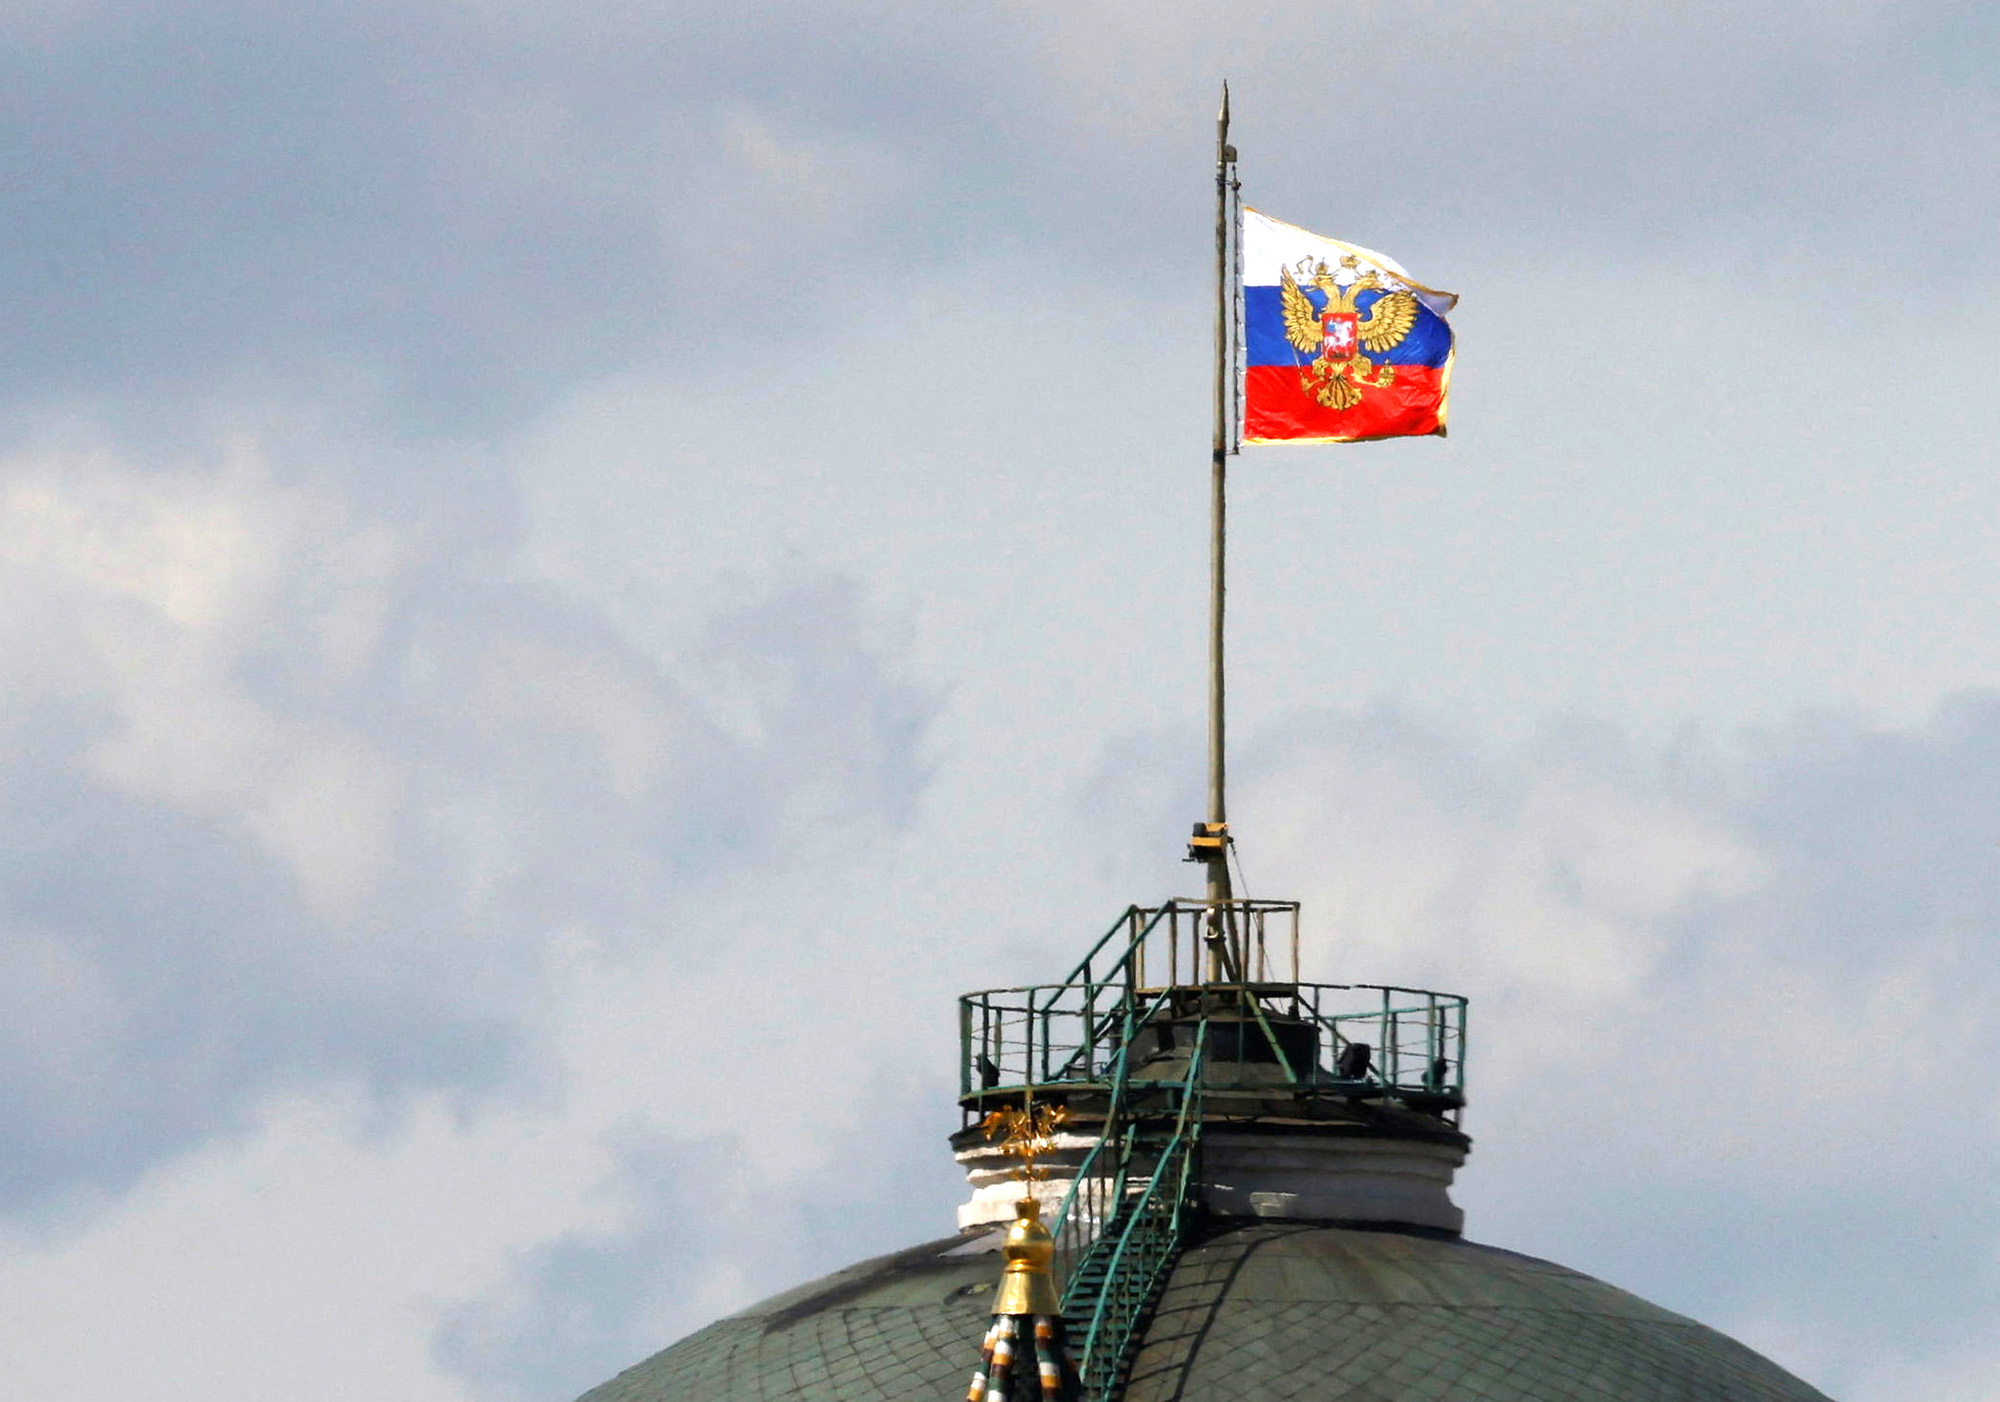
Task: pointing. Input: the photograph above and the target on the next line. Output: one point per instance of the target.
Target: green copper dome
(1246, 1179)
(1253, 1312)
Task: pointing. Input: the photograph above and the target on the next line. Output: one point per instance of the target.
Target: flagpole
(1218, 813)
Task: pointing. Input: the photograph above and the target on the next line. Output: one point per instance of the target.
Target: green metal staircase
(1119, 1274)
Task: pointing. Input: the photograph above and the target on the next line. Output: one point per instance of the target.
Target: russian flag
(1340, 344)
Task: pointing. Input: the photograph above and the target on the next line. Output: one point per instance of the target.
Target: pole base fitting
(1210, 843)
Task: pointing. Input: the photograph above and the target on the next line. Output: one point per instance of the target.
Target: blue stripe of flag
(1264, 343)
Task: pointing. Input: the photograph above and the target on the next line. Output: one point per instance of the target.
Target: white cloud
(300, 792)
(307, 1258)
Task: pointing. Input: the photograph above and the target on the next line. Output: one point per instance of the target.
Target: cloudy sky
(569, 575)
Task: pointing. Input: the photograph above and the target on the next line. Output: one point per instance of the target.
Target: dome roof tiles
(1281, 1311)
(1254, 1312)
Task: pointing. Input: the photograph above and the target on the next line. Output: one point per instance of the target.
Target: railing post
(986, 1028)
(1458, 1070)
(1048, 1014)
(1088, 1046)
(1135, 967)
(1434, 1056)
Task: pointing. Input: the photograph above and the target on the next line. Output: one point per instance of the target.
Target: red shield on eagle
(1342, 334)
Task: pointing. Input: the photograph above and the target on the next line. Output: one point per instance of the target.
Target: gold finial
(1026, 1287)
(1028, 1133)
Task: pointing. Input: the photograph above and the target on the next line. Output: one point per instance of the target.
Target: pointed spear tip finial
(1223, 115)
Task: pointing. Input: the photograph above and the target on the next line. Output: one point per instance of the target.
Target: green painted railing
(1111, 1291)
(1076, 1037)
(1404, 1043)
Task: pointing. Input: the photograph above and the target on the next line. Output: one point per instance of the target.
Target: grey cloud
(458, 212)
(268, 829)
(154, 982)
(469, 211)
(1885, 835)
(574, 1311)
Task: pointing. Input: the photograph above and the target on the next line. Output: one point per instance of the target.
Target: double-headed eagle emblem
(1335, 335)
(1028, 1133)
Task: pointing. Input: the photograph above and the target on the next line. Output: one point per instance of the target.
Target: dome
(1253, 1311)
(1247, 1183)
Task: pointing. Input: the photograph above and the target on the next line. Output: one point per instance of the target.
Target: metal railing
(1406, 1043)
(1189, 941)
(1112, 1291)
(1121, 1222)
